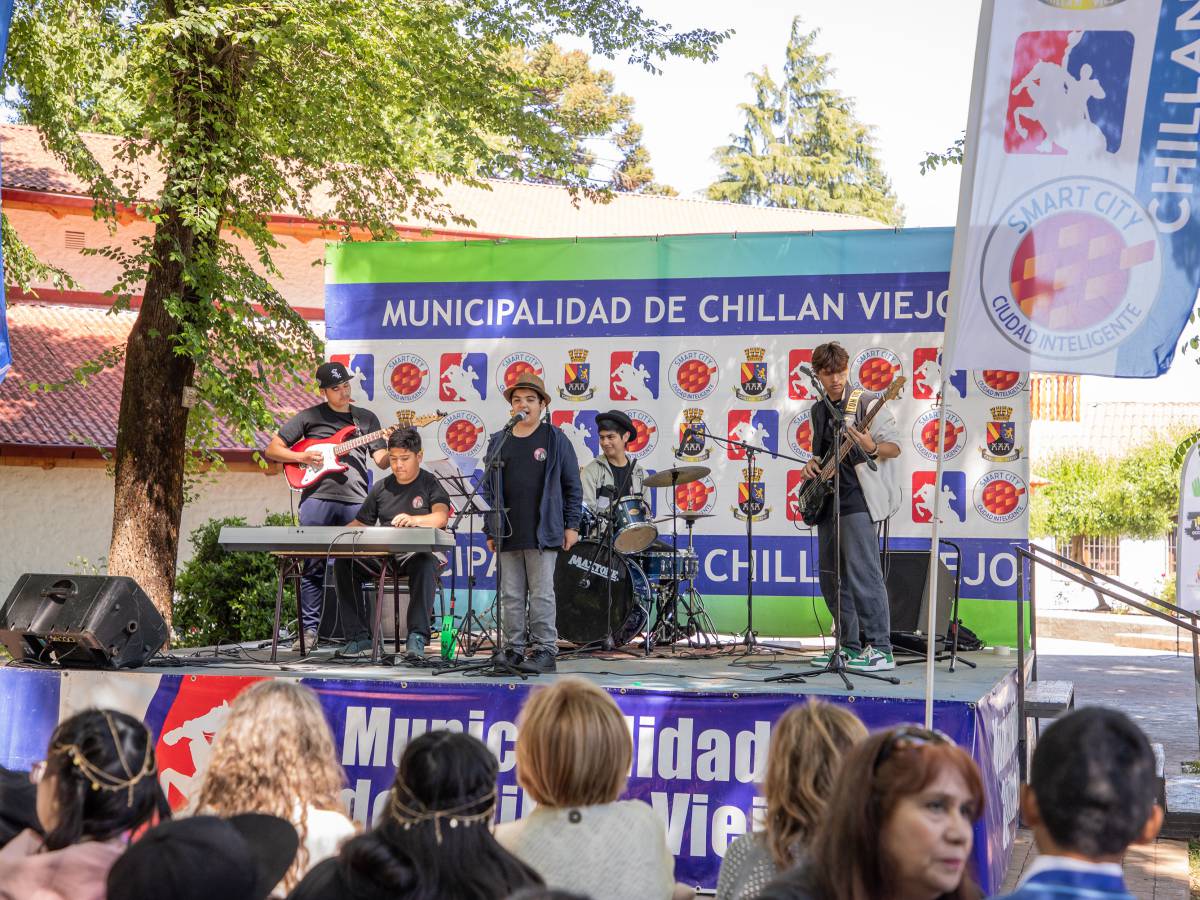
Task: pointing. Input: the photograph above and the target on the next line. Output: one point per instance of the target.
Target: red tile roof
(502, 209)
(48, 343)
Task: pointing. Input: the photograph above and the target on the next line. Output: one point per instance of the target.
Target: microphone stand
(497, 665)
(837, 663)
(747, 636)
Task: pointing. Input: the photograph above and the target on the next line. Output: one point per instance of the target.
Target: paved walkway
(1155, 872)
(1157, 690)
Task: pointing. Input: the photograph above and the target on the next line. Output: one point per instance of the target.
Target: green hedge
(224, 597)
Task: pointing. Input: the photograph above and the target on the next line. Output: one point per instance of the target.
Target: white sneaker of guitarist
(867, 496)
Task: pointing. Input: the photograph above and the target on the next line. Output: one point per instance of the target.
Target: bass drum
(581, 579)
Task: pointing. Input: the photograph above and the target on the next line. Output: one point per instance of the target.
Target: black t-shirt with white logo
(524, 477)
(321, 421)
(389, 498)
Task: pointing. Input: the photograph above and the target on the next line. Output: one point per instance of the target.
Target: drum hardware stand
(497, 665)
(748, 635)
(837, 663)
(693, 602)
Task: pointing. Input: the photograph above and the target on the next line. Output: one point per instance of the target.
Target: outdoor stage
(700, 722)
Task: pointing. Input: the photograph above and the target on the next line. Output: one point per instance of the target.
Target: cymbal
(686, 516)
(677, 475)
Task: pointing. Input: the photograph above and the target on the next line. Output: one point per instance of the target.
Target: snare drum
(632, 527)
(663, 565)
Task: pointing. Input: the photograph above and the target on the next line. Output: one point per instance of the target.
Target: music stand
(463, 497)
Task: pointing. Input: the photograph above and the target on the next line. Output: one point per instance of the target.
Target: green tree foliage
(1134, 496)
(952, 156)
(606, 141)
(232, 111)
(225, 596)
(801, 146)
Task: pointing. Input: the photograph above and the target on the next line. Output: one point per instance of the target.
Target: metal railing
(1108, 586)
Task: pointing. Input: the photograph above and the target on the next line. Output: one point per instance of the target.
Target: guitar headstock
(407, 418)
(895, 388)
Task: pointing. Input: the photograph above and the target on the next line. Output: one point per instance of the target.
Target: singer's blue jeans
(864, 596)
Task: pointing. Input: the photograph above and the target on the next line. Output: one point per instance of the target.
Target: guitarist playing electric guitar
(336, 497)
(864, 596)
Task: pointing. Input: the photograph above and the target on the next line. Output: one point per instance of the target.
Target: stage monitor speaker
(906, 574)
(88, 621)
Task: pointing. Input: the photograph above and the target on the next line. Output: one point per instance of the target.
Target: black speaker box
(88, 621)
(906, 574)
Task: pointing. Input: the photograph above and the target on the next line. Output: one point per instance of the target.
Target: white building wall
(1143, 566)
(52, 517)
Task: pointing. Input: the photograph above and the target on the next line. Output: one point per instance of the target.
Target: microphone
(689, 434)
(517, 417)
(805, 370)
(606, 490)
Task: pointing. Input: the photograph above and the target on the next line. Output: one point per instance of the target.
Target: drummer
(614, 474)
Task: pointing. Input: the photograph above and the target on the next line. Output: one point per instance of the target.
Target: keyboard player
(410, 497)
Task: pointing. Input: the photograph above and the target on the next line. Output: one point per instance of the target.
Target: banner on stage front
(1078, 227)
(1187, 539)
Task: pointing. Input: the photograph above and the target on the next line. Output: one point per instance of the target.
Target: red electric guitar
(302, 475)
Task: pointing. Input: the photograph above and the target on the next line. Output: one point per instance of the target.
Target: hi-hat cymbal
(677, 475)
(686, 516)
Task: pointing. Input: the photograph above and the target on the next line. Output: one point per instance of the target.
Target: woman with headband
(435, 837)
(97, 786)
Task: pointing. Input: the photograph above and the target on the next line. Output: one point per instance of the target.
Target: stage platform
(700, 720)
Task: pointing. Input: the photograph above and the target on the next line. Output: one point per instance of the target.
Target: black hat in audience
(331, 374)
(615, 420)
(205, 857)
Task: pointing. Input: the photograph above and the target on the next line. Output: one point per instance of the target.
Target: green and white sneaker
(872, 660)
(822, 661)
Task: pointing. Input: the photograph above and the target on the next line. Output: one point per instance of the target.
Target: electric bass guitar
(814, 497)
(304, 475)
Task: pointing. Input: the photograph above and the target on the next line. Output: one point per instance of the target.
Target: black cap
(615, 420)
(239, 858)
(331, 374)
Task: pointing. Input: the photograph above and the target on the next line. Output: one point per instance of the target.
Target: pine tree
(801, 146)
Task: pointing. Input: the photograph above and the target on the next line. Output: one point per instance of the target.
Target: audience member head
(239, 858)
(99, 779)
(275, 754)
(900, 820)
(1092, 787)
(573, 748)
(435, 838)
(807, 746)
(546, 893)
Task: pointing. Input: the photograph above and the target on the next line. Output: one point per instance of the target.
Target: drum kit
(621, 579)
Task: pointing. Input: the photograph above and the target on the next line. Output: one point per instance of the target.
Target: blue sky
(907, 66)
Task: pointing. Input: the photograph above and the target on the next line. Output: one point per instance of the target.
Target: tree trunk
(152, 431)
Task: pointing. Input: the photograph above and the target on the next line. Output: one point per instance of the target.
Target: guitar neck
(361, 440)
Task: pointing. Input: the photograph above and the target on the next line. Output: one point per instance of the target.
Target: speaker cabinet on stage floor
(906, 574)
(89, 621)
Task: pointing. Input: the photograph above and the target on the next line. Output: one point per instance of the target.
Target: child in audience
(434, 840)
(275, 755)
(573, 757)
(97, 785)
(807, 746)
(900, 824)
(1092, 792)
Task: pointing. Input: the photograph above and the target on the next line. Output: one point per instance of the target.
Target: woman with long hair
(573, 758)
(275, 755)
(96, 788)
(807, 746)
(434, 840)
(900, 824)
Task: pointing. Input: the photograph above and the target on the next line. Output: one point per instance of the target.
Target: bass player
(335, 498)
(864, 498)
